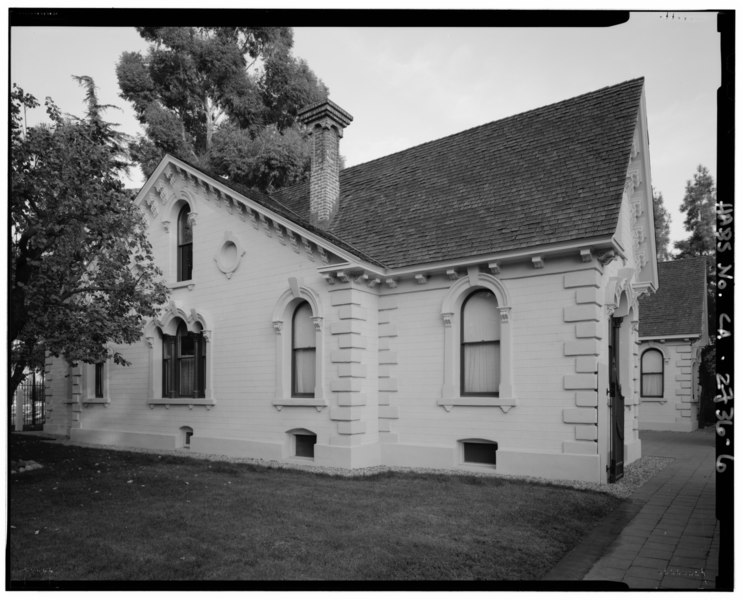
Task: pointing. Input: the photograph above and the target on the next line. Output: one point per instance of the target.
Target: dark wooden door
(616, 409)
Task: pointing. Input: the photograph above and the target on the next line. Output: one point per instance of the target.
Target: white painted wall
(539, 367)
(383, 357)
(242, 344)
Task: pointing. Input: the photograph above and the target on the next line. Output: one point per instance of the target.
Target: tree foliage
(82, 274)
(223, 98)
(699, 207)
(662, 219)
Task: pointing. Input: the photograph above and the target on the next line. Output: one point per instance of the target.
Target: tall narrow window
(651, 384)
(169, 388)
(184, 364)
(303, 352)
(480, 358)
(99, 380)
(185, 245)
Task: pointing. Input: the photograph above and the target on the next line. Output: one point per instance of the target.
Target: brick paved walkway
(667, 536)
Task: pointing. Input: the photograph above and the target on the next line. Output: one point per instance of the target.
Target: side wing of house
(673, 334)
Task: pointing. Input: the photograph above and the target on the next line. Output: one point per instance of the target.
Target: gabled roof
(677, 308)
(266, 201)
(549, 175)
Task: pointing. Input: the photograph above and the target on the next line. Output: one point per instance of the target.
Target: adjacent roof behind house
(677, 308)
(549, 175)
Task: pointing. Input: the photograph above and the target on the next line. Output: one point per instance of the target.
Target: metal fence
(30, 398)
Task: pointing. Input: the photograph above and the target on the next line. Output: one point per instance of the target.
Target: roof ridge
(544, 108)
(583, 96)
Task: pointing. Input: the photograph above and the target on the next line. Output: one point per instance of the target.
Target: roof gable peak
(176, 181)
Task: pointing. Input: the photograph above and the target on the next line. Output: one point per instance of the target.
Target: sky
(405, 86)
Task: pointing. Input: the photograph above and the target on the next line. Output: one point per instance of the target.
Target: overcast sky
(405, 86)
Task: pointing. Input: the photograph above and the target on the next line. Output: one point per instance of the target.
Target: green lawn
(103, 515)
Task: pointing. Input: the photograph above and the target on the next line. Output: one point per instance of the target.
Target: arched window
(185, 245)
(480, 345)
(99, 380)
(651, 367)
(303, 352)
(184, 364)
(186, 433)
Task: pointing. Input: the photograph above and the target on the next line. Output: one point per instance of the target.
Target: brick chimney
(326, 121)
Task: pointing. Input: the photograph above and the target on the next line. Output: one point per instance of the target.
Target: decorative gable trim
(643, 222)
(192, 318)
(174, 180)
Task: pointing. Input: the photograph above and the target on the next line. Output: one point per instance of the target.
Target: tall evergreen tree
(662, 220)
(699, 207)
(224, 98)
(82, 273)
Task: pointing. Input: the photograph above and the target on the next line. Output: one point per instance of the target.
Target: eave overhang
(601, 249)
(680, 336)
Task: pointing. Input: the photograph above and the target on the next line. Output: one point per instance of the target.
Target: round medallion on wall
(229, 255)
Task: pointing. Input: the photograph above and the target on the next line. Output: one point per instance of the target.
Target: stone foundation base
(574, 467)
(563, 466)
(149, 441)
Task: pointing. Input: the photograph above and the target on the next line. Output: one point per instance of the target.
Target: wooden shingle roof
(677, 308)
(549, 175)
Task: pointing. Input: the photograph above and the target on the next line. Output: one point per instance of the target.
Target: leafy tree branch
(75, 234)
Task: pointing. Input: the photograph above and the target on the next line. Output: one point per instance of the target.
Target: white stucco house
(470, 303)
(673, 332)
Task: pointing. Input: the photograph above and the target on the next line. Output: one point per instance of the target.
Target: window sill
(104, 401)
(317, 403)
(190, 402)
(505, 404)
(182, 284)
(651, 399)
